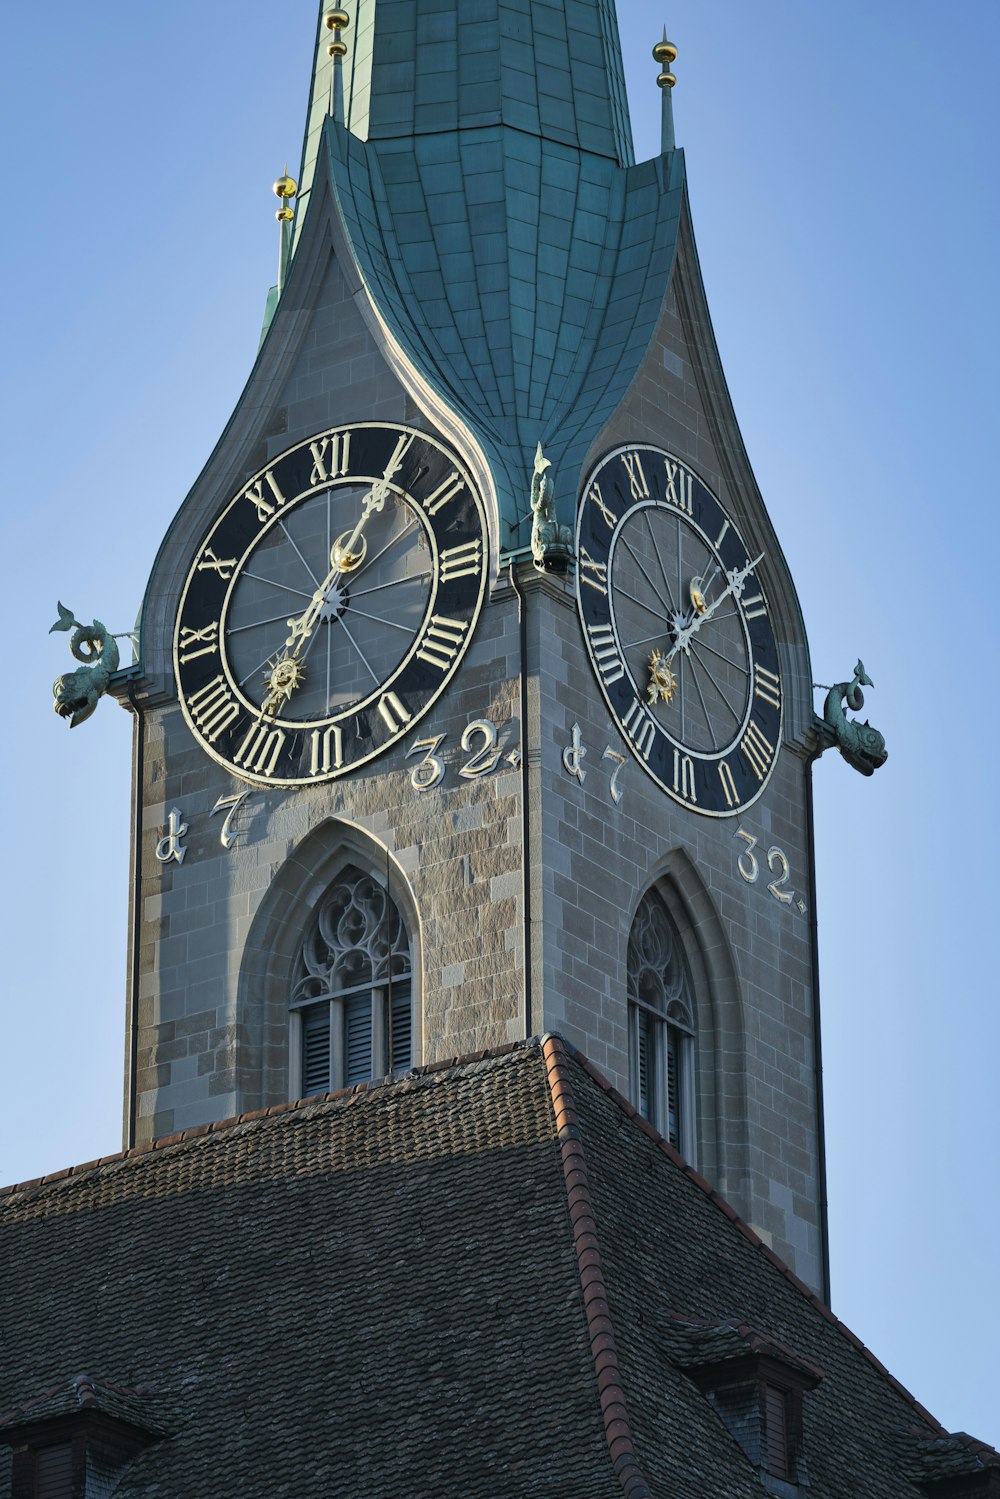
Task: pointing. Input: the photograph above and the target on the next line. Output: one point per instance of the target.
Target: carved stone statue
(860, 744)
(77, 693)
(551, 543)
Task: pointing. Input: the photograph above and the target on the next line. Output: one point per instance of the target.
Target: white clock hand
(737, 580)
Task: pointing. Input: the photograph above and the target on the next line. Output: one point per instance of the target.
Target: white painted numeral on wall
(212, 708)
(325, 750)
(485, 758)
(602, 643)
(776, 860)
(430, 772)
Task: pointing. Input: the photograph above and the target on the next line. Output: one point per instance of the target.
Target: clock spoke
(663, 618)
(259, 667)
(288, 537)
(737, 717)
(659, 560)
(701, 699)
(258, 624)
(271, 583)
(704, 645)
(360, 593)
(370, 561)
(652, 587)
(379, 619)
(364, 659)
(631, 645)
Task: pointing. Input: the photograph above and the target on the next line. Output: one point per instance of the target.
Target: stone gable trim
(595, 1301)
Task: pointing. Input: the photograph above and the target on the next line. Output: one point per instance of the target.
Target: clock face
(677, 627)
(330, 604)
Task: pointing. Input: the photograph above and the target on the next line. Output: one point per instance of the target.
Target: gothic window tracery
(661, 1024)
(352, 991)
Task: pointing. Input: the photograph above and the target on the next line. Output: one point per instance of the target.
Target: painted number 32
(777, 862)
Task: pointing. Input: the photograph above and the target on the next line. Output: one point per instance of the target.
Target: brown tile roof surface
(464, 1283)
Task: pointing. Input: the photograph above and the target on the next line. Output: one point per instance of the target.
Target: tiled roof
(84, 1393)
(468, 1281)
(693, 1343)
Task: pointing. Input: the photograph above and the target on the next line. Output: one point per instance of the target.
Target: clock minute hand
(737, 580)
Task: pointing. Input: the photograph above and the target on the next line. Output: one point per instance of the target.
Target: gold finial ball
(285, 215)
(336, 49)
(665, 53)
(336, 20)
(666, 80)
(285, 187)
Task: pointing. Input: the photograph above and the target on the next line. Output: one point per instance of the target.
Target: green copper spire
(481, 165)
(413, 68)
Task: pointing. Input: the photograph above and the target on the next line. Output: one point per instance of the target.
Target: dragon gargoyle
(77, 693)
(860, 744)
(551, 543)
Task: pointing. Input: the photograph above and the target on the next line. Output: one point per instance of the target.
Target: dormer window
(755, 1386)
(77, 1440)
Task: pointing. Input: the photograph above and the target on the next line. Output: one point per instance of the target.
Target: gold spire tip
(336, 20)
(665, 53)
(285, 187)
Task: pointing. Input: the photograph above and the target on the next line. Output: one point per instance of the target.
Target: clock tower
(474, 697)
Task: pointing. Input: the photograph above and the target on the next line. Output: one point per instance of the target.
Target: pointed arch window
(352, 996)
(661, 1024)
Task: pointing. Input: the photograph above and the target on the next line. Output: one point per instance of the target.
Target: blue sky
(845, 203)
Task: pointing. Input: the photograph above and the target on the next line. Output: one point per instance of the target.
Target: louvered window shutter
(776, 1431)
(647, 1101)
(316, 1049)
(399, 1046)
(358, 1039)
(673, 1088)
(54, 1472)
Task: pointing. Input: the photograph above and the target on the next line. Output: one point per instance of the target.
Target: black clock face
(677, 627)
(330, 604)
